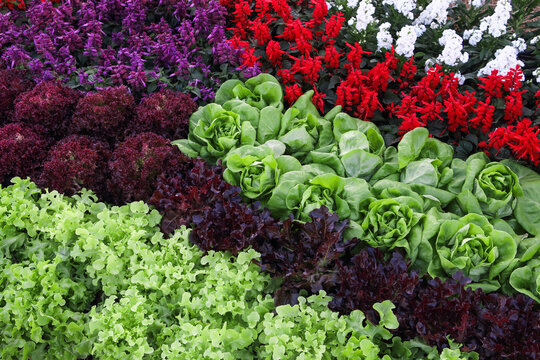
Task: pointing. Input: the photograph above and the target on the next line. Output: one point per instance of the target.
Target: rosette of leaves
(527, 209)
(257, 169)
(421, 162)
(473, 246)
(483, 187)
(353, 155)
(300, 192)
(214, 131)
(260, 91)
(300, 128)
(525, 276)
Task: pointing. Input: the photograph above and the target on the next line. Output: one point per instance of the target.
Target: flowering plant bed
(309, 196)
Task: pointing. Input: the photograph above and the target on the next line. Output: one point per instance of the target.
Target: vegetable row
(446, 214)
(102, 281)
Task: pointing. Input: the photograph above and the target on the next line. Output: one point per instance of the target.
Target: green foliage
(81, 279)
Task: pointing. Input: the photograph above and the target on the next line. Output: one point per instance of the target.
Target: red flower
(261, 32)
(292, 93)
(262, 8)
(274, 53)
(484, 116)
(512, 80)
(309, 68)
(333, 25)
(317, 100)
(241, 13)
(408, 70)
(457, 114)
(379, 77)
(369, 103)
(282, 9)
(409, 123)
(331, 57)
(525, 143)
(493, 84)
(286, 75)
(355, 56)
(513, 108)
(537, 97)
(319, 13)
(249, 59)
(430, 111)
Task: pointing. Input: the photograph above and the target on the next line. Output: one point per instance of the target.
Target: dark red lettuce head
(166, 113)
(74, 163)
(22, 150)
(136, 164)
(49, 104)
(104, 114)
(12, 84)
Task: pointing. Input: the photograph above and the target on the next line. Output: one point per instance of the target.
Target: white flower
(496, 23)
(364, 15)
(519, 44)
(429, 64)
(474, 36)
(405, 7)
(419, 30)
(535, 39)
(505, 59)
(461, 78)
(477, 3)
(536, 73)
(435, 14)
(406, 40)
(384, 38)
(352, 3)
(453, 45)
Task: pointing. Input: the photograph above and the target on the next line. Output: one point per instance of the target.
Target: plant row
(146, 45)
(308, 48)
(81, 278)
(446, 214)
(307, 256)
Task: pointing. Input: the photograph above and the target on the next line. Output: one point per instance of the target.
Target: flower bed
(356, 205)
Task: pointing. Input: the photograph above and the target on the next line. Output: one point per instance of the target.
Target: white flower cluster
(505, 59)
(519, 44)
(496, 23)
(453, 45)
(364, 15)
(435, 14)
(384, 38)
(535, 39)
(405, 7)
(406, 41)
(474, 36)
(536, 74)
(477, 3)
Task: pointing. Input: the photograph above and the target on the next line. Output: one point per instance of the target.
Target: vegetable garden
(269, 179)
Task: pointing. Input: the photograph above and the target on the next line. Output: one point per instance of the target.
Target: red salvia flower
(318, 100)
(379, 77)
(286, 76)
(512, 80)
(355, 56)
(249, 59)
(498, 138)
(368, 104)
(430, 111)
(537, 97)
(513, 109)
(262, 8)
(274, 53)
(319, 13)
(308, 67)
(292, 93)
(457, 114)
(492, 84)
(261, 32)
(333, 25)
(282, 9)
(408, 70)
(410, 122)
(392, 60)
(331, 57)
(526, 144)
(484, 116)
(241, 13)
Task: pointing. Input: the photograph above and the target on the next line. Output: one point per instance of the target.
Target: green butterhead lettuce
(215, 131)
(300, 192)
(483, 187)
(260, 91)
(257, 169)
(472, 245)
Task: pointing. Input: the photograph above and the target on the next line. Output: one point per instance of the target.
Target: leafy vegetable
(473, 246)
(260, 91)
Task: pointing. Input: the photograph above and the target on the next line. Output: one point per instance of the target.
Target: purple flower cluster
(146, 45)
